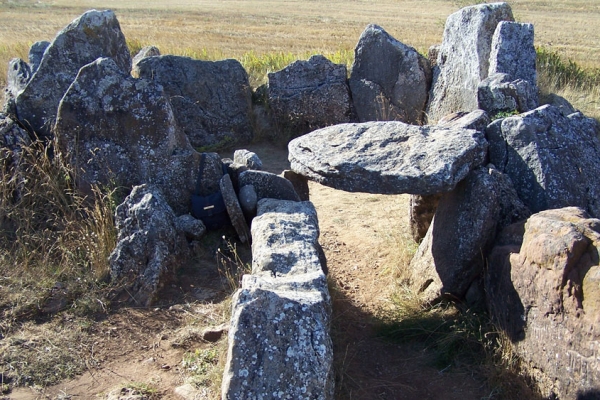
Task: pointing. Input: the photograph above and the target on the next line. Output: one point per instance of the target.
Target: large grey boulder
(463, 58)
(94, 34)
(36, 53)
(279, 342)
(388, 157)
(307, 95)
(389, 81)
(513, 52)
(149, 247)
(451, 256)
(545, 294)
(248, 159)
(551, 159)
(117, 131)
(13, 140)
(211, 99)
(499, 93)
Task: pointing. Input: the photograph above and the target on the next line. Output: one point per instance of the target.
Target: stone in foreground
(545, 294)
(279, 343)
(388, 157)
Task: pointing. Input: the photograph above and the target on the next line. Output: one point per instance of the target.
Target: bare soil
(132, 346)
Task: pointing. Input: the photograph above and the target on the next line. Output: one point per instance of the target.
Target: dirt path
(358, 233)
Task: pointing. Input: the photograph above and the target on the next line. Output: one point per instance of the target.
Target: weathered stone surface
(565, 107)
(119, 131)
(211, 99)
(148, 51)
(450, 257)
(94, 34)
(210, 176)
(551, 159)
(299, 182)
(497, 93)
(247, 158)
(463, 59)
(193, 228)
(36, 53)
(388, 157)
(268, 185)
(390, 80)
(421, 212)
(513, 52)
(234, 210)
(546, 295)
(149, 247)
(307, 95)
(17, 76)
(478, 120)
(279, 343)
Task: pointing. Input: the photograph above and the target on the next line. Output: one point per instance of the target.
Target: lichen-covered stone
(499, 93)
(118, 131)
(463, 58)
(307, 95)
(248, 159)
(234, 210)
(279, 343)
(148, 51)
(389, 80)
(93, 35)
(388, 157)
(36, 53)
(18, 75)
(149, 247)
(513, 52)
(551, 159)
(211, 99)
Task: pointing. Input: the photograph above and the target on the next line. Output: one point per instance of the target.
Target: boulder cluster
(505, 191)
(505, 194)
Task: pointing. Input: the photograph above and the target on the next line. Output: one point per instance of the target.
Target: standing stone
(118, 131)
(299, 182)
(513, 52)
(551, 159)
(308, 95)
(545, 295)
(390, 80)
(463, 59)
(36, 53)
(388, 157)
(450, 260)
(211, 99)
(279, 342)
(149, 247)
(234, 210)
(95, 34)
(13, 139)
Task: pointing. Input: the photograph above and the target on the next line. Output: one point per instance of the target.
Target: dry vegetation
(54, 259)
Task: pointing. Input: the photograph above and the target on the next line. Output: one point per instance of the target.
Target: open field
(265, 35)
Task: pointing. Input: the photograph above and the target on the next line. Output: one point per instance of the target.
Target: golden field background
(254, 29)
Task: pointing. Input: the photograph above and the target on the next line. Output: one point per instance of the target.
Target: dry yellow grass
(233, 28)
